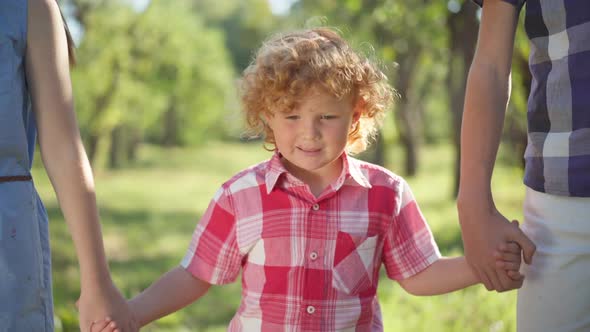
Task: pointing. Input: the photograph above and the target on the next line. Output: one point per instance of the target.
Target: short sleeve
(409, 244)
(517, 3)
(213, 255)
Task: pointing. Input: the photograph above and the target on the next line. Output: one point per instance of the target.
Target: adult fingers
(528, 247)
(511, 270)
(507, 282)
(511, 247)
(507, 256)
(515, 275)
(483, 278)
(511, 266)
(492, 275)
(101, 325)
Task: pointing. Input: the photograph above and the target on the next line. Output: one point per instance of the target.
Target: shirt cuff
(206, 272)
(426, 262)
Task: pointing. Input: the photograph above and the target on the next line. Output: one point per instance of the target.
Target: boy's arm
(488, 88)
(173, 291)
(443, 276)
(449, 274)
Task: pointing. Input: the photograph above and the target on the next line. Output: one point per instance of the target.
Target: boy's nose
(311, 129)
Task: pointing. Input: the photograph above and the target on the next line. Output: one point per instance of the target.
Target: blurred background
(155, 89)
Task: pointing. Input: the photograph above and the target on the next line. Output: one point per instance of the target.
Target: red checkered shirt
(307, 263)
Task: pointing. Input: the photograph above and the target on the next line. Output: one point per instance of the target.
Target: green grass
(149, 211)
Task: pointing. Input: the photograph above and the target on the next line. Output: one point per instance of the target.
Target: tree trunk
(117, 143)
(376, 152)
(170, 123)
(102, 102)
(379, 149)
(92, 148)
(133, 144)
(463, 28)
(406, 120)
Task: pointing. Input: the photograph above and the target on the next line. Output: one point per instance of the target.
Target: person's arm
(443, 276)
(67, 164)
(451, 274)
(173, 291)
(488, 85)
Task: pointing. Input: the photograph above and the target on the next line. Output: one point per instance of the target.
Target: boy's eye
(327, 116)
(292, 117)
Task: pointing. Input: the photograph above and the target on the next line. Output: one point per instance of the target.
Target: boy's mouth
(308, 150)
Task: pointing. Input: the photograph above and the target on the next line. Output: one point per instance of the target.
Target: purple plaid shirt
(558, 151)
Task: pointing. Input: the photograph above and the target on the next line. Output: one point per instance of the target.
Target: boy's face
(313, 135)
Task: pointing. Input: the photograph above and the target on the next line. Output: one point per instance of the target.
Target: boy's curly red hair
(285, 68)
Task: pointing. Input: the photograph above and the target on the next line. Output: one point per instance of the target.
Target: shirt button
(315, 207)
(310, 309)
(313, 255)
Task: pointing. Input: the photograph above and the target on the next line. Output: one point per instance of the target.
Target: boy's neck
(316, 188)
(316, 181)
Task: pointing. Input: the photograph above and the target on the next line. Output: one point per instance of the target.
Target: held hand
(508, 260)
(105, 301)
(106, 325)
(484, 232)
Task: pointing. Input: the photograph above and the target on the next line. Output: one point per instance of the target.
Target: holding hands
(105, 325)
(105, 301)
(490, 241)
(508, 259)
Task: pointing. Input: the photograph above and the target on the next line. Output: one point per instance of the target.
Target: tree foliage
(160, 75)
(166, 74)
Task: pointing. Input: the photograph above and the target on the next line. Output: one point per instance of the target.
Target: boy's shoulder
(385, 184)
(249, 177)
(377, 175)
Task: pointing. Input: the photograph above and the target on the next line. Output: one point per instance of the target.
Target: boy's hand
(104, 300)
(508, 259)
(105, 325)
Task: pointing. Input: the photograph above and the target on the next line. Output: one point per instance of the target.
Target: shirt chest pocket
(354, 264)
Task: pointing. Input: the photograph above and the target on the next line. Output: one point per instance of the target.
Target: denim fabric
(25, 267)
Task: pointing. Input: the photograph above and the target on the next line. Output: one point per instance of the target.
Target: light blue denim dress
(25, 266)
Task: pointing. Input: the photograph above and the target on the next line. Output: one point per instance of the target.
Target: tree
(139, 76)
(246, 23)
(463, 27)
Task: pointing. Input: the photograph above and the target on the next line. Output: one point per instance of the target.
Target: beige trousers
(556, 293)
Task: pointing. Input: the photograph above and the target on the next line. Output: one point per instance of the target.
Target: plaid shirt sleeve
(409, 245)
(517, 3)
(213, 255)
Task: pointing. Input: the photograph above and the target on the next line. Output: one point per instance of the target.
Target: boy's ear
(266, 119)
(358, 110)
(356, 116)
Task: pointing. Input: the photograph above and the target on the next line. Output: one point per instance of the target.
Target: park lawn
(149, 211)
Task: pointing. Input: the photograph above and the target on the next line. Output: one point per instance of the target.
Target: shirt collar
(274, 170)
(351, 169)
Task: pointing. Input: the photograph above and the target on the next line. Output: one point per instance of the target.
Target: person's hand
(96, 303)
(483, 232)
(105, 325)
(508, 260)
